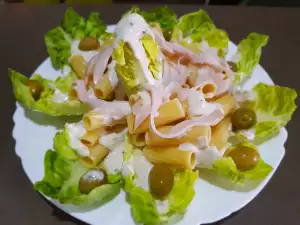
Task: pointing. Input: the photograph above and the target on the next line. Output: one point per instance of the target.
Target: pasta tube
(97, 154)
(169, 112)
(90, 138)
(138, 139)
(92, 120)
(78, 65)
(72, 95)
(191, 136)
(103, 88)
(228, 104)
(171, 156)
(220, 133)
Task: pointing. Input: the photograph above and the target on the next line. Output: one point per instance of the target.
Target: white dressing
(114, 160)
(87, 55)
(188, 147)
(66, 70)
(162, 206)
(140, 167)
(198, 106)
(249, 134)
(112, 75)
(59, 96)
(131, 29)
(205, 158)
(114, 142)
(75, 132)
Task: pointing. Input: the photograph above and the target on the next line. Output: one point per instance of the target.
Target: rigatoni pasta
(103, 88)
(138, 139)
(91, 138)
(228, 104)
(171, 156)
(220, 133)
(92, 120)
(169, 112)
(191, 136)
(97, 154)
(78, 65)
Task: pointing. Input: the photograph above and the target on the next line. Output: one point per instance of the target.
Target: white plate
(34, 134)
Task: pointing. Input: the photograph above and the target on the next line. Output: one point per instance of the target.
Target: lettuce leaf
(142, 202)
(248, 55)
(62, 147)
(58, 46)
(45, 103)
(164, 16)
(194, 28)
(73, 27)
(73, 24)
(227, 168)
(61, 181)
(274, 107)
(95, 27)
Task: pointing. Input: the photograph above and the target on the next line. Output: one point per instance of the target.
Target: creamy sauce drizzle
(75, 132)
(131, 29)
(112, 75)
(198, 106)
(115, 142)
(59, 96)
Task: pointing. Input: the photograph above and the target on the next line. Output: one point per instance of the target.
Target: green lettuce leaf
(58, 46)
(129, 148)
(274, 107)
(45, 103)
(74, 24)
(165, 17)
(95, 27)
(195, 27)
(62, 147)
(143, 203)
(183, 191)
(61, 181)
(73, 27)
(249, 53)
(227, 168)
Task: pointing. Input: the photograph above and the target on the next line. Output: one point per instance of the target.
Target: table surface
(22, 48)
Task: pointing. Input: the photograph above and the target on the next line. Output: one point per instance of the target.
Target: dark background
(288, 3)
(22, 48)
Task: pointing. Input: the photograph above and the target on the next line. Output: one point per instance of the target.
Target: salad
(160, 101)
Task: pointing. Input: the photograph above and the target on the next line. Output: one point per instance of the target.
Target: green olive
(92, 179)
(243, 118)
(36, 88)
(232, 66)
(167, 33)
(244, 157)
(88, 44)
(161, 180)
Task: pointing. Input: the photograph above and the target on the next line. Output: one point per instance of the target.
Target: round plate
(211, 203)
